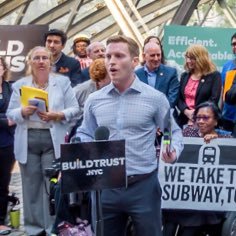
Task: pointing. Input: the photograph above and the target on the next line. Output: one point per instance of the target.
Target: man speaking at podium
(133, 111)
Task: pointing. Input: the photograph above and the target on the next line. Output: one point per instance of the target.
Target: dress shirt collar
(135, 86)
(55, 62)
(150, 72)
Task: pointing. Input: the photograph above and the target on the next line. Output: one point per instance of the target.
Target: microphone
(101, 133)
(167, 134)
(75, 140)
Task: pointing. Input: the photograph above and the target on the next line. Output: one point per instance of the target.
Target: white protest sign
(204, 178)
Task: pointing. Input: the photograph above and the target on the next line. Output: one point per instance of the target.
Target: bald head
(152, 55)
(96, 50)
(151, 45)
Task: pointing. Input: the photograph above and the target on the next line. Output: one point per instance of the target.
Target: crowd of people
(108, 86)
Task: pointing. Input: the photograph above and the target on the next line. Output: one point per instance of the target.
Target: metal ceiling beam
(73, 13)
(154, 6)
(89, 20)
(134, 10)
(146, 10)
(8, 7)
(21, 14)
(184, 12)
(207, 12)
(136, 2)
(54, 14)
(64, 9)
(112, 29)
(124, 20)
(228, 12)
(104, 12)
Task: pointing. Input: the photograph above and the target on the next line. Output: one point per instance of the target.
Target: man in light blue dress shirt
(133, 111)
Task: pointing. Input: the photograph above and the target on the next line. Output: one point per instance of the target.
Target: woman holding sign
(201, 82)
(38, 139)
(195, 223)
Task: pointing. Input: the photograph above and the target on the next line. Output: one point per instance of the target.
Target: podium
(93, 166)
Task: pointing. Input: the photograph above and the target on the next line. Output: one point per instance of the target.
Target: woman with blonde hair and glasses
(200, 82)
(37, 141)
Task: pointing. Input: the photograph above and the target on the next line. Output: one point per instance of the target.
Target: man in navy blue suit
(157, 75)
(55, 41)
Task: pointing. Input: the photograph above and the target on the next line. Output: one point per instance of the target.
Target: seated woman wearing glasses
(37, 141)
(201, 82)
(194, 223)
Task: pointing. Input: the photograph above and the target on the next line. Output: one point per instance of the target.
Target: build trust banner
(15, 43)
(93, 166)
(203, 178)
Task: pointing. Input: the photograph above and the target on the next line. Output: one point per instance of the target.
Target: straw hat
(81, 38)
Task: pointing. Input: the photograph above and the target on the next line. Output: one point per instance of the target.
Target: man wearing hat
(80, 44)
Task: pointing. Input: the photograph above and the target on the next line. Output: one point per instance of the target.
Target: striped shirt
(133, 115)
(84, 62)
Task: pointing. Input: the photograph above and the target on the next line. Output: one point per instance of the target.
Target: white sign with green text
(217, 40)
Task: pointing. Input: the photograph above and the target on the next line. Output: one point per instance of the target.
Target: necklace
(39, 86)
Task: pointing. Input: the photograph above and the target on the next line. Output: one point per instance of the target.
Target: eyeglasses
(38, 58)
(233, 44)
(190, 58)
(204, 118)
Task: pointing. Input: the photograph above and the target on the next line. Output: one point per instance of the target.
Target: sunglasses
(233, 44)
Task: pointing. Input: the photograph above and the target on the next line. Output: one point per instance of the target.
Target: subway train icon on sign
(209, 154)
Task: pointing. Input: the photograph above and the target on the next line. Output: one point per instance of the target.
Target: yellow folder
(229, 78)
(28, 92)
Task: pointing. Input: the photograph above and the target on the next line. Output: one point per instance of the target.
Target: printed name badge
(93, 166)
(204, 178)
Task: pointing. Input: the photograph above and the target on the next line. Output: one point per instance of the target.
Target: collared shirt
(84, 61)
(133, 115)
(54, 69)
(82, 91)
(151, 76)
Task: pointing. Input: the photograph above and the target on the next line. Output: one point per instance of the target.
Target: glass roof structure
(100, 19)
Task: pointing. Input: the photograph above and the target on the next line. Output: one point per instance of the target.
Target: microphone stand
(99, 222)
(101, 133)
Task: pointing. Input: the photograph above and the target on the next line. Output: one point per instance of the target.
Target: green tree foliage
(215, 17)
